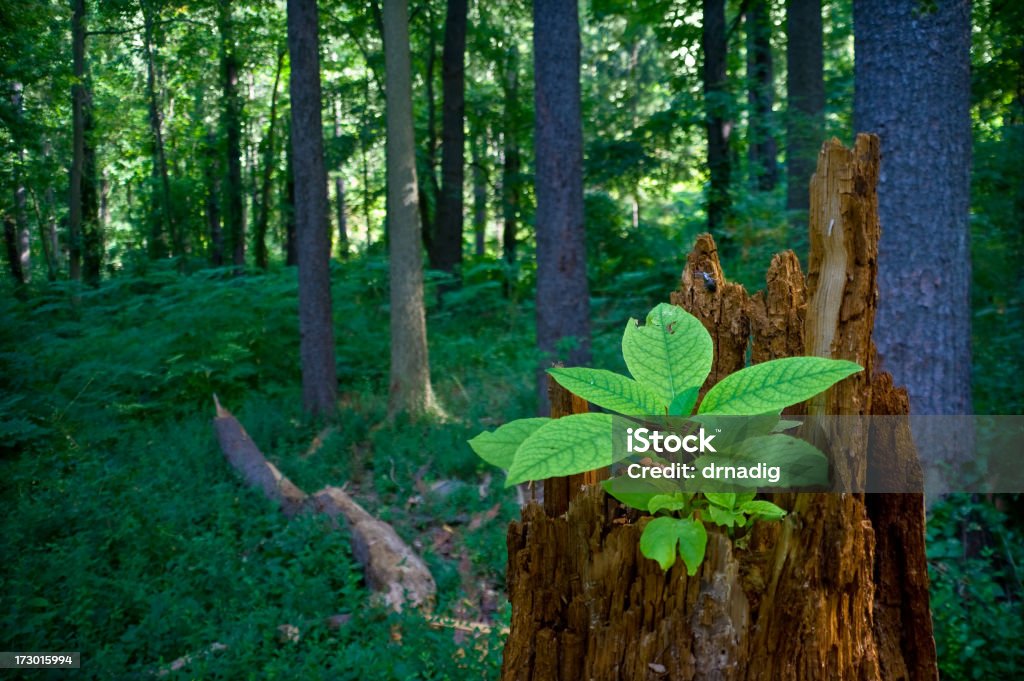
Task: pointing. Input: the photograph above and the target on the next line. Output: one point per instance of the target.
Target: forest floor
(128, 537)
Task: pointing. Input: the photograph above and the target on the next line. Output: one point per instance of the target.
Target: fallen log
(392, 569)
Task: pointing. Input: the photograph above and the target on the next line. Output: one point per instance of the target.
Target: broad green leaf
(724, 499)
(565, 446)
(683, 403)
(693, 541)
(800, 463)
(609, 390)
(723, 516)
(670, 353)
(745, 497)
(666, 502)
(786, 424)
(638, 493)
(659, 540)
(498, 448)
(774, 385)
(663, 535)
(763, 509)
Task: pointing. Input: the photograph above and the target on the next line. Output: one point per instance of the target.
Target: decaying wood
(837, 590)
(558, 492)
(392, 569)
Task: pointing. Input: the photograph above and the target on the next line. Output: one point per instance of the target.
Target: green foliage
(670, 357)
(975, 558)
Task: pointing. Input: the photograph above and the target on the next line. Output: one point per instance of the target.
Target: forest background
(156, 198)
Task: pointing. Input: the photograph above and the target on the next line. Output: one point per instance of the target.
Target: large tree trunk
(719, 127)
(269, 158)
(160, 208)
(78, 103)
(213, 196)
(761, 96)
(291, 257)
(231, 121)
(805, 103)
(410, 388)
(913, 83)
(510, 179)
(448, 223)
(563, 298)
(316, 326)
(837, 590)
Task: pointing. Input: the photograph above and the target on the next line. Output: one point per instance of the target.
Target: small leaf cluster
(669, 358)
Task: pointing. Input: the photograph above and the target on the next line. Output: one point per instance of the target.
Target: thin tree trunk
(339, 191)
(24, 250)
(410, 388)
(718, 124)
(234, 211)
(78, 97)
(213, 194)
(161, 208)
(761, 96)
(92, 230)
(479, 198)
(316, 324)
(428, 194)
(805, 94)
(263, 218)
(291, 254)
(912, 80)
(563, 298)
(449, 220)
(511, 163)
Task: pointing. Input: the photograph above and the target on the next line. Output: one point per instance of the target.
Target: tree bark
(719, 127)
(805, 106)
(512, 162)
(912, 80)
(231, 121)
(563, 298)
(291, 257)
(449, 218)
(78, 103)
(479, 198)
(837, 590)
(316, 325)
(269, 157)
(92, 230)
(410, 389)
(761, 96)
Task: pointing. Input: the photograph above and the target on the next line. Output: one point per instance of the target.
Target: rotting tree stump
(837, 590)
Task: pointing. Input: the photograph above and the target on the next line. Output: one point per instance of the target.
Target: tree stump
(837, 590)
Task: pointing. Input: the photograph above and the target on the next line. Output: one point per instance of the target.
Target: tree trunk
(429, 190)
(78, 103)
(912, 80)
(316, 325)
(213, 175)
(448, 223)
(512, 162)
(160, 210)
(761, 96)
(291, 257)
(92, 230)
(234, 213)
(410, 388)
(837, 590)
(805, 105)
(339, 193)
(263, 218)
(719, 127)
(22, 237)
(479, 198)
(563, 299)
